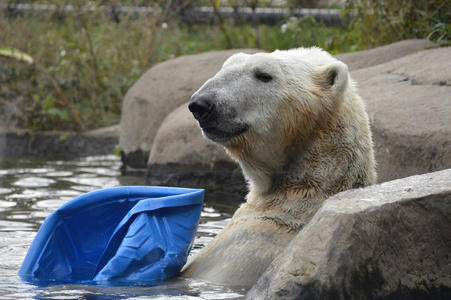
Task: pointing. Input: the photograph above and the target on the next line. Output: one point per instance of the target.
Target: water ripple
(6, 204)
(31, 189)
(4, 191)
(34, 182)
(59, 174)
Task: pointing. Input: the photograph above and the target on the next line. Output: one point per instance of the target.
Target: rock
(408, 101)
(181, 156)
(104, 132)
(179, 140)
(10, 114)
(59, 144)
(157, 93)
(383, 54)
(387, 241)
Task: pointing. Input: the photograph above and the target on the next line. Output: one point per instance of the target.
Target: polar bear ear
(235, 59)
(335, 78)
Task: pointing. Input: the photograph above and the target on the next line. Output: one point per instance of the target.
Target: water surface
(32, 188)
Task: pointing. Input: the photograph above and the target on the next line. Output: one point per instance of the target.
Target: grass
(83, 66)
(377, 23)
(84, 63)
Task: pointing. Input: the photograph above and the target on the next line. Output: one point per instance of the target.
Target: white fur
(307, 137)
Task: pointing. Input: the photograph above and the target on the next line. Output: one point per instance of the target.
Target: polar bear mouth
(218, 124)
(218, 135)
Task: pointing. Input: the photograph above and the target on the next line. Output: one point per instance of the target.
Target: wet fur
(316, 143)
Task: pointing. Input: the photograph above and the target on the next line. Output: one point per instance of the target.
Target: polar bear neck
(336, 156)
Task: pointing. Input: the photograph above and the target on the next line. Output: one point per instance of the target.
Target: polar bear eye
(262, 76)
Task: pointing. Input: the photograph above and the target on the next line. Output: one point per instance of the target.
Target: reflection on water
(30, 189)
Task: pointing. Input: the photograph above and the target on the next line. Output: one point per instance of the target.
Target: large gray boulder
(156, 94)
(376, 56)
(387, 241)
(179, 140)
(409, 104)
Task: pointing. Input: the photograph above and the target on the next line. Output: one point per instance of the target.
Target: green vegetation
(71, 71)
(378, 23)
(16, 54)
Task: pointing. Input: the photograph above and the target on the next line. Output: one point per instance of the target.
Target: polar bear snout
(202, 107)
(218, 123)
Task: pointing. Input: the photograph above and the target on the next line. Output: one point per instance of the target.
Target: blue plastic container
(124, 234)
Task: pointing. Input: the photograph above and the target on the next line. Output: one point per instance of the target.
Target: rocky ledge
(59, 144)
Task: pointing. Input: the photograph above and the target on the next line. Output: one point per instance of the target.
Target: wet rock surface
(59, 144)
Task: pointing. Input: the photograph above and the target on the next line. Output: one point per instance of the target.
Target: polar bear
(294, 122)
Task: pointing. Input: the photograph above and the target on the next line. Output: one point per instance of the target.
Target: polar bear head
(266, 109)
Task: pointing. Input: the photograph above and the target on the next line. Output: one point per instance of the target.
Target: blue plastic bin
(124, 234)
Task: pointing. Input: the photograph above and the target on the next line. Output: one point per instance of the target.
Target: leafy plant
(16, 54)
(306, 32)
(49, 113)
(376, 23)
(85, 61)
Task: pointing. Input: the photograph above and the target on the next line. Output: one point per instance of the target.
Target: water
(31, 188)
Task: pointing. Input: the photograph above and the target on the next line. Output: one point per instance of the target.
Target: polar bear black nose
(201, 107)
